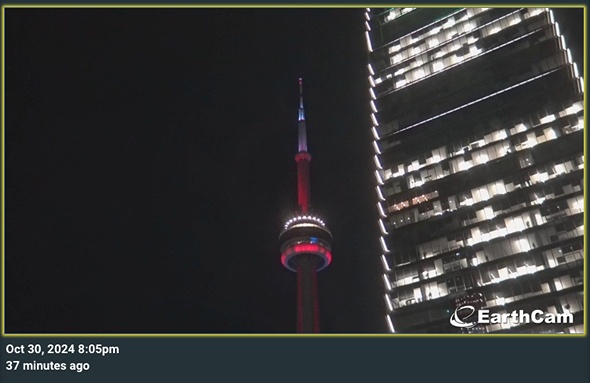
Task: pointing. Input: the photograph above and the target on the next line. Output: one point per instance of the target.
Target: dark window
(577, 246)
(558, 190)
(424, 207)
(460, 15)
(497, 206)
(465, 196)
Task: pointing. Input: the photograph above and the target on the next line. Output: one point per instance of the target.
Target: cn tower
(305, 239)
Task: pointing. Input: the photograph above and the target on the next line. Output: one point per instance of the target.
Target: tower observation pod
(305, 239)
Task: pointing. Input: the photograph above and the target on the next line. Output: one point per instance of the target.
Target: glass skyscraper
(478, 132)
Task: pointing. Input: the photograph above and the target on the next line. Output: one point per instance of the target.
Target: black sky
(150, 167)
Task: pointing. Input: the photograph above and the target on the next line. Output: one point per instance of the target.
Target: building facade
(478, 132)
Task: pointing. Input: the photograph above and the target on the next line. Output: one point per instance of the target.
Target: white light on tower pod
(551, 17)
(557, 32)
(367, 26)
(371, 81)
(371, 71)
(569, 56)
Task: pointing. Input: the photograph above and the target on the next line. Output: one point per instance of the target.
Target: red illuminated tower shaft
(308, 308)
(303, 159)
(306, 241)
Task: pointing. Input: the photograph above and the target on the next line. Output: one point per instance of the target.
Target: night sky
(150, 168)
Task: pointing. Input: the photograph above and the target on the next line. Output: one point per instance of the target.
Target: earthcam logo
(460, 322)
(463, 317)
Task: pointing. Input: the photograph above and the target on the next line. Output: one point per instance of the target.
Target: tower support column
(307, 295)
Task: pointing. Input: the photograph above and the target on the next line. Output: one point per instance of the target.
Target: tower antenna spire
(301, 121)
(301, 111)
